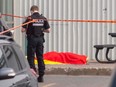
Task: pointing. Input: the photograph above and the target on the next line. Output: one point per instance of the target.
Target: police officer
(35, 39)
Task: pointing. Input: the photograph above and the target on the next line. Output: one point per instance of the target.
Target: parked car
(14, 68)
(113, 79)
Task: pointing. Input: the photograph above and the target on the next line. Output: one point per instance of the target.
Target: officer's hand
(23, 30)
(47, 30)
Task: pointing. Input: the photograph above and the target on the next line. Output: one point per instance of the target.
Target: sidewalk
(92, 68)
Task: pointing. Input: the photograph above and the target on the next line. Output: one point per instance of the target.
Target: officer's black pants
(35, 46)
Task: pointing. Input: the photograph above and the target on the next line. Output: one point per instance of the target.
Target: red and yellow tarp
(63, 58)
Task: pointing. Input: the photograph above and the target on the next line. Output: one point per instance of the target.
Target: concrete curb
(84, 71)
(89, 69)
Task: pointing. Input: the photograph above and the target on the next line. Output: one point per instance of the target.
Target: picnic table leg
(107, 52)
(96, 55)
(109, 60)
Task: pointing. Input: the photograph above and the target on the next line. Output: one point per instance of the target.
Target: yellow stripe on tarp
(48, 62)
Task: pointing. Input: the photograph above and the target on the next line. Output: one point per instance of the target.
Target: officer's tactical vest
(36, 28)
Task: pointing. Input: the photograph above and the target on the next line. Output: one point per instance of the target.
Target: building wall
(76, 37)
(6, 7)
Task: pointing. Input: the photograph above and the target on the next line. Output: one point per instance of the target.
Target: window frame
(4, 56)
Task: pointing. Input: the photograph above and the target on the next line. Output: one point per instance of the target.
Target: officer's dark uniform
(35, 38)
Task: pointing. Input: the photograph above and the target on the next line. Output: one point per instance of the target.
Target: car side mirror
(7, 73)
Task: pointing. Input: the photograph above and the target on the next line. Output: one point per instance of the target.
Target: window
(21, 56)
(2, 59)
(12, 58)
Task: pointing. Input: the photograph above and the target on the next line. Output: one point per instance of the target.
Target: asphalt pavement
(91, 68)
(75, 81)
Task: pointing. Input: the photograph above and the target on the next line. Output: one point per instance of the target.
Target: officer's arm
(47, 30)
(46, 27)
(25, 26)
(23, 29)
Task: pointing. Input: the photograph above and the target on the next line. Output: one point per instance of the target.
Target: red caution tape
(16, 27)
(13, 15)
(94, 21)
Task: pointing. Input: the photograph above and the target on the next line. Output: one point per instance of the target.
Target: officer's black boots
(40, 79)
